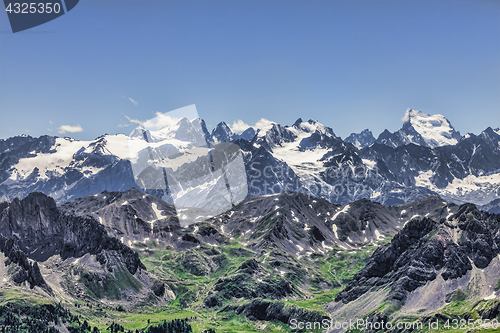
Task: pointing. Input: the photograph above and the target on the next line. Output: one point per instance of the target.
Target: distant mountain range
(425, 157)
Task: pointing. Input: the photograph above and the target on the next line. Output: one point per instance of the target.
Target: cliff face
(34, 230)
(27, 270)
(425, 249)
(41, 231)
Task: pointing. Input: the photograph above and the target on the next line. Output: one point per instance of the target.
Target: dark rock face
(42, 231)
(248, 134)
(244, 284)
(406, 135)
(158, 288)
(361, 140)
(492, 312)
(275, 311)
(249, 266)
(28, 271)
(423, 248)
(212, 301)
(222, 133)
(195, 264)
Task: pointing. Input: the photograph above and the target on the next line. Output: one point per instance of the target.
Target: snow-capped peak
(497, 131)
(435, 129)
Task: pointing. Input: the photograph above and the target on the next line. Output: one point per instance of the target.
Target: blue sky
(349, 64)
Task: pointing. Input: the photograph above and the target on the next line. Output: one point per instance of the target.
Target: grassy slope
(336, 268)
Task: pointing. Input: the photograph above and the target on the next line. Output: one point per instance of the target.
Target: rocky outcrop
(275, 311)
(34, 229)
(243, 285)
(43, 231)
(361, 140)
(27, 271)
(425, 248)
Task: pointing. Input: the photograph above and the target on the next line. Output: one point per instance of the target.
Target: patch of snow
(435, 129)
(301, 162)
(424, 179)
(492, 296)
(343, 211)
(378, 235)
(326, 246)
(334, 227)
(56, 162)
(157, 213)
(369, 163)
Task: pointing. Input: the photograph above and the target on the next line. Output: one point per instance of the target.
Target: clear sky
(349, 64)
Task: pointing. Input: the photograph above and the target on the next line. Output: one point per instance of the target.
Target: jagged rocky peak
(200, 123)
(16, 141)
(248, 134)
(490, 134)
(141, 133)
(34, 231)
(222, 133)
(312, 126)
(361, 140)
(190, 132)
(422, 129)
(426, 248)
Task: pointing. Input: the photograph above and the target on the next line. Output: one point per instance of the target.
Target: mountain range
(425, 157)
(241, 232)
(269, 260)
